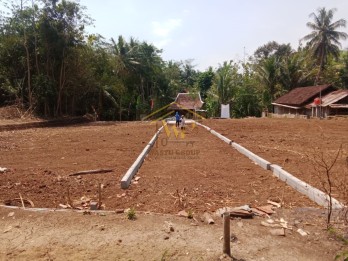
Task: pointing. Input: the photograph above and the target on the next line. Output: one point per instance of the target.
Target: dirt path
(30, 235)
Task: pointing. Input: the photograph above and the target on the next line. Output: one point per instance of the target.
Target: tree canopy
(50, 65)
(324, 40)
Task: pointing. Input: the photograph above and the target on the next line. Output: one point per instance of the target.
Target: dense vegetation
(48, 64)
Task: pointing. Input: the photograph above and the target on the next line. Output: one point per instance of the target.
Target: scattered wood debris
(94, 171)
(183, 213)
(235, 212)
(278, 226)
(278, 205)
(65, 206)
(278, 232)
(180, 198)
(302, 232)
(246, 211)
(268, 209)
(3, 170)
(259, 212)
(207, 218)
(18, 202)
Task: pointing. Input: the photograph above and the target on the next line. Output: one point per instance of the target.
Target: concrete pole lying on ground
(227, 247)
(127, 178)
(316, 195)
(304, 188)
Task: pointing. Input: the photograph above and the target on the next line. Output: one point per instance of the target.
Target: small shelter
(187, 102)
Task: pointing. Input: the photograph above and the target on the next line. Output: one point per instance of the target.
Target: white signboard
(225, 111)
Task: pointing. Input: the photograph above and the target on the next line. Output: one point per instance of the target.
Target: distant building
(188, 104)
(312, 101)
(334, 103)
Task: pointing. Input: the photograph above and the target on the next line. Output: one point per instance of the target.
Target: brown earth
(208, 173)
(197, 173)
(292, 143)
(27, 235)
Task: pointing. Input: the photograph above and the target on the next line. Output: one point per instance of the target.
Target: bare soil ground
(73, 236)
(207, 172)
(197, 173)
(290, 143)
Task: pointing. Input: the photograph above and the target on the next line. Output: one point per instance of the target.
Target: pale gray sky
(208, 31)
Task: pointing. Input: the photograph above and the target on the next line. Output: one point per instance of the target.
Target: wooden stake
(22, 200)
(226, 246)
(99, 201)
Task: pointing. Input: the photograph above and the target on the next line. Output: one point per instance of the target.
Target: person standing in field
(177, 119)
(182, 123)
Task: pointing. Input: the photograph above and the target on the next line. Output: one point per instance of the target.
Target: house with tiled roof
(313, 101)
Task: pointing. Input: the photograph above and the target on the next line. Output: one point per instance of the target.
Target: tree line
(51, 66)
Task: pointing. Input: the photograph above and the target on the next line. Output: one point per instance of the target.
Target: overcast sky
(208, 31)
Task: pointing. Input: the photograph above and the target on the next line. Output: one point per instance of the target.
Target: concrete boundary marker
(223, 138)
(304, 188)
(313, 193)
(255, 158)
(205, 127)
(127, 178)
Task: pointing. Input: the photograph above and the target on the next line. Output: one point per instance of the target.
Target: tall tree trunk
(142, 89)
(36, 56)
(61, 86)
(35, 41)
(73, 104)
(120, 108)
(321, 66)
(46, 107)
(30, 95)
(100, 102)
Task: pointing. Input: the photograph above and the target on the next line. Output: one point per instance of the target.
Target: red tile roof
(303, 95)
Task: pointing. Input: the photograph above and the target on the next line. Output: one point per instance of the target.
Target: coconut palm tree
(324, 38)
(267, 72)
(225, 81)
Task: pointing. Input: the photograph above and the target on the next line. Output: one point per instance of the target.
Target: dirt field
(290, 143)
(207, 172)
(197, 173)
